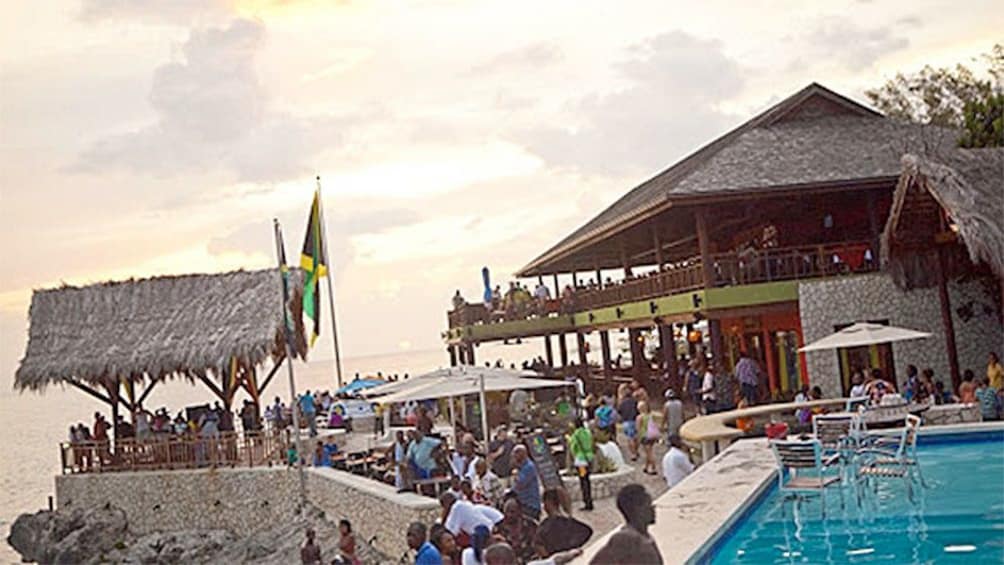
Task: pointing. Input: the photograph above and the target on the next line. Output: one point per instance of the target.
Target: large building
(812, 215)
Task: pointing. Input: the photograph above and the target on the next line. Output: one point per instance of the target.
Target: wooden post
(470, 355)
(605, 351)
(773, 371)
(668, 344)
(461, 355)
(453, 355)
(638, 362)
(704, 246)
(563, 350)
(624, 259)
(557, 289)
(717, 343)
(548, 352)
(583, 360)
(946, 320)
(599, 278)
(658, 246)
(575, 280)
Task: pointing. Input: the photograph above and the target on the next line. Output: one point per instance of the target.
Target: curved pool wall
(959, 517)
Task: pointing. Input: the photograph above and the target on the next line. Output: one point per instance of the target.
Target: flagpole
(294, 404)
(331, 288)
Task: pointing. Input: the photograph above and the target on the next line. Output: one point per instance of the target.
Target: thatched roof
(968, 185)
(156, 328)
(815, 138)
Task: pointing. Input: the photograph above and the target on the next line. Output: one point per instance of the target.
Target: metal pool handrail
(711, 431)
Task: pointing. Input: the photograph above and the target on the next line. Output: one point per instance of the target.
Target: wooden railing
(727, 269)
(174, 452)
(789, 263)
(670, 281)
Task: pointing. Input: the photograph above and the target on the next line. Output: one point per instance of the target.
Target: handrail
(711, 429)
(173, 452)
(727, 269)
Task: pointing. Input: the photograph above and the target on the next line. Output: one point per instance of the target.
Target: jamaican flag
(287, 319)
(312, 262)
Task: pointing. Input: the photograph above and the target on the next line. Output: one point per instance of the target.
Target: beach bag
(651, 428)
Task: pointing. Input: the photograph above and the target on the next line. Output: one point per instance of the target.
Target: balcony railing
(174, 452)
(727, 269)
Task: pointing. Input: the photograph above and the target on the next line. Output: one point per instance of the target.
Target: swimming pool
(957, 518)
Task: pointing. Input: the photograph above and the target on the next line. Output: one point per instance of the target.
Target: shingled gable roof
(813, 137)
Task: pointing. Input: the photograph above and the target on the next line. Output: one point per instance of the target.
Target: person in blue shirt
(309, 412)
(422, 454)
(321, 457)
(425, 552)
(527, 484)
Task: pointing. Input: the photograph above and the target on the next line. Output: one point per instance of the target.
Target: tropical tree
(952, 97)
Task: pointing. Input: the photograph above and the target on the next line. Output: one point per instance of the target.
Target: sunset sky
(151, 137)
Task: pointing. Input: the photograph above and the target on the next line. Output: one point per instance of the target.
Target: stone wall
(375, 509)
(824, 304)
(238, 500)
(604, 486)
(244, 500)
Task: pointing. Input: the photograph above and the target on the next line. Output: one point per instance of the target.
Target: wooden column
(461, 354)
(453, 355)
(557, 289)
(599, 278)
(717, 343)
(704, 246)
(471, 358)
(548, 352)
(583, 359)
(563, 350)
(624, 259)
(605, 352)
(575, 280)
(668, 353)
(639, 365)
(658, 246)
(773, 371)
(946, 320)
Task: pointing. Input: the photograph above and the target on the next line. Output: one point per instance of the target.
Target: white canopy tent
(460, 381)
(863, 333)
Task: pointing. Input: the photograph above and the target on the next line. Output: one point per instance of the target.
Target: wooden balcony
(728, 270)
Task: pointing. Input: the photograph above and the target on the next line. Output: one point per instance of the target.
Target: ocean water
(32, 425)
(957, 518)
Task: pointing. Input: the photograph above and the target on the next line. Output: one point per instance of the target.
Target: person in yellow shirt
(995, 372)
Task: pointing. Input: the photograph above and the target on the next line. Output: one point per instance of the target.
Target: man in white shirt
(461, 516)
(676, 463)
(708, 390)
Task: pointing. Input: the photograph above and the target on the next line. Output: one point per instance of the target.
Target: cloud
(853, 46)
(256, 238)
(535, 55)
(676, 82)
(213, 113)
(154, 11)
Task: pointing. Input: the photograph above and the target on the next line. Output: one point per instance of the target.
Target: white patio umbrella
(462, 381)
(864, 333)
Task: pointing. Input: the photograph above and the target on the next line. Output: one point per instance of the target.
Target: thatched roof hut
(956, 196)
(156, 328)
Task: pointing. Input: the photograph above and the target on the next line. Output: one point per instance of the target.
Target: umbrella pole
(484, 410)
(453, 420)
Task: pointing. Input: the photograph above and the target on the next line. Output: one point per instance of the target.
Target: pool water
(957, 518)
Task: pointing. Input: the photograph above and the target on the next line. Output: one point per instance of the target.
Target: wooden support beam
(453, 355)
(704, 245)
(548, 351)
(599, 278)
(210, 385)
(563, 350)
(946, 320)
(90, 391)
(470, 355)
(557, 289)
(583, 360)
(271, 373)
(146, 392)
(668, 345)
(658, 247)
(605, 352)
